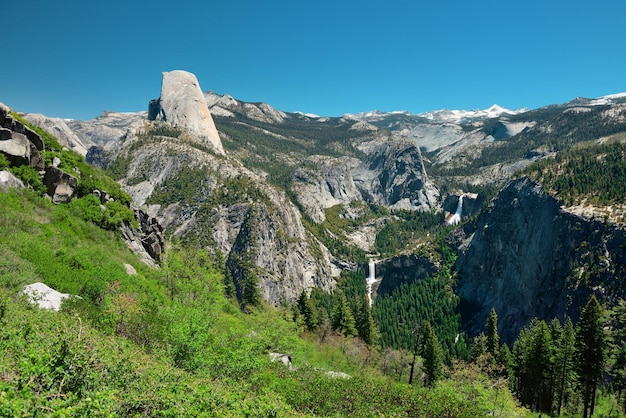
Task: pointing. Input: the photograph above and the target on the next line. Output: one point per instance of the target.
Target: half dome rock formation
(183, 105)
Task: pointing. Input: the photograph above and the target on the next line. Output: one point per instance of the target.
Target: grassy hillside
(167, 342)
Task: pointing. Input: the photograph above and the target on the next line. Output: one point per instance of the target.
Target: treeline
(596, 174)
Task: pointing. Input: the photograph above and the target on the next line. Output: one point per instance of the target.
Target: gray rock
(59, 128)
(183, 105)
(17, 148)
(61, 185)
(393, 175)
(8, 180)
(44, 296)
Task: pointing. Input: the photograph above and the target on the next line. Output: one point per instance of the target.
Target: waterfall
(456, 218)
(371, 279)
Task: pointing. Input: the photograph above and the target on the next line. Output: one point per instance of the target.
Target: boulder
(8, 180)
(183, 105)
(61, 185)
(45, 297)
(17, 148)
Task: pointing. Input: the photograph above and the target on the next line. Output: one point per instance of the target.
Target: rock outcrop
(147, 241)
(44, 296)
(393, 175)
(325, 182)
(182, 104)
(19, 143)
(58, 127)
(529, 258)
(61, 185)
(8, 180)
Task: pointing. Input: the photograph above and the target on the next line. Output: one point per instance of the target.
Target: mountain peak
(183, 104)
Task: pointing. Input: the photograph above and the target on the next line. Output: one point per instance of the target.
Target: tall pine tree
(590, 352)
(308, 311)
(365, 323)
(432, 355)
(342, 318)
(493, 339)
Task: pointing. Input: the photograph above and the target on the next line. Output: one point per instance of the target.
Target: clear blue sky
(77, 58)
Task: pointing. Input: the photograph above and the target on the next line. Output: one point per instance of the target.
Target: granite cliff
(528, 257)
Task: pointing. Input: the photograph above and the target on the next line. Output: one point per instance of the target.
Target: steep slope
(528, 257)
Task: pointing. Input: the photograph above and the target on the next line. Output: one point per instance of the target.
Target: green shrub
(30, 177)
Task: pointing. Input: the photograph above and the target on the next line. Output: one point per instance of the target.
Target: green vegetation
(405, 228)
(167, 342)
(595, 174)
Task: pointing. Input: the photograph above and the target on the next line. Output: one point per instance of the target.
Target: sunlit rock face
(182, 104)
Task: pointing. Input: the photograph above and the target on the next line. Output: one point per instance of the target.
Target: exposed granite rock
(325, 182)
(393, 175)
(61, 185)
(183, 105)
(8, 180)
(472, 203)
(106, 130)
(58, 127)
(147, 241)
(44, 296)
(530, 258)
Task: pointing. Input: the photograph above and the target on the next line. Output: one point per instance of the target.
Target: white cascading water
(371, 279)
(456, 218)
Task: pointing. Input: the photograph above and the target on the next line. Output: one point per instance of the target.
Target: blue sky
(77, 58)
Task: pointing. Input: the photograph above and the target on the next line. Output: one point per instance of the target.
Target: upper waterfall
(456, 218)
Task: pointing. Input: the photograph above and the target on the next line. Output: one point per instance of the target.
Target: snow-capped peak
(458, 116)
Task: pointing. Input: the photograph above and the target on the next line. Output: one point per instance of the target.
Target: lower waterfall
(371, 279)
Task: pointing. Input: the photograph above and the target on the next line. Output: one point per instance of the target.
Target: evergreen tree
(565, 365)
(479, 346)
(343, 319)
(365, 323)
(307, 310)
(493, 339)
(229, 285)
(251, 295)
(590, 352)
(432, 355)
(619, 374)
(505, 360)
(540, 359)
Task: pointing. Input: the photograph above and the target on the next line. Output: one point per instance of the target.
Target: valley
(445, 247)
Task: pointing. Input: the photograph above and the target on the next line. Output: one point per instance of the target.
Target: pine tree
(619, 374)
(565, 365)
(365, 323)
(343, 319)
(590, 352)
(251, 295)
(540, 359)
(493, 339)
(307, 310)
(432, 355)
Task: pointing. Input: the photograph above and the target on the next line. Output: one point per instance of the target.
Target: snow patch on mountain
(463, 116)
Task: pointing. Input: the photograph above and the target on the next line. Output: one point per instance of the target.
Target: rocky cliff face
(393, 175)
(182, 104)
(528, 258)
